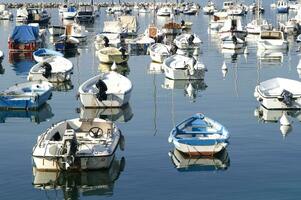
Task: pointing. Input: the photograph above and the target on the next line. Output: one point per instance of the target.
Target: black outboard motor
(287, 97)
(122, 50)
(173, 49)
(102, 88)
(182, 22)
(190, 39)
(234, 39)
(106, 41)
(48, 69)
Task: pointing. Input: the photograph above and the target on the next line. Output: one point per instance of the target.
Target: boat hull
(183, 74)
(54, 78)
(109, 59)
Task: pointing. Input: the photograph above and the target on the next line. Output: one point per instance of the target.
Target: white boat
(107, 39)
(112, 54)
(56, 30)
(105, 90)
(183, 67)
(187, 41)
(272, 40)
(76, 31)
(42, 54)
(159, 52)
(232, 42)
(53, 69)
(164, 11)
(282, 6)
(291, 27)
(75, 144)
(5, 14)
(69, 13)
(209, 9)
(256, 26)
(279, 93)
(232, 27)
(199, 135)
(21, 15)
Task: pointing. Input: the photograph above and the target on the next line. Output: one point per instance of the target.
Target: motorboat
(42, 54)
(69, 13)
(183, 67)
(27, 96)
(232, 26)
(279, 93)
(139, 45)
(76, 31)
(199, 135)
(209, 9)
(272, 40)
(164, 11)
(37, 15)
(187, 41)
(159, 52)
(66, 43)
(256, 26)
(186, 163)
(232, 42)
(53, 69)
(24, 38)
(85, 14)
(190, 10)
(112, 54)
(109, 89)
(107, 39)
(5, 14)
(56, 30)
(75, 144)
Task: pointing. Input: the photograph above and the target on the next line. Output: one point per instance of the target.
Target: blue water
(262, 163)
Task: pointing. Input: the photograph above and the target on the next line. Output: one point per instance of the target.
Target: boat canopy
(25, 34)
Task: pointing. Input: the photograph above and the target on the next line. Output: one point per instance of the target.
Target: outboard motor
(287, 97)
(106, 41)
(48, 69)
(173, 49)
(102, 88)
(70, 148)
(122, 50)
(234, 39)
(182, 22)
(190, 39)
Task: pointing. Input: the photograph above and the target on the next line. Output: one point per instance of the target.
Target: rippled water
(260, 163)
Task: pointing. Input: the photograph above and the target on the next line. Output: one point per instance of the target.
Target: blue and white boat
(199, 135)
(282, 6)
(42, 54)
(28, 95)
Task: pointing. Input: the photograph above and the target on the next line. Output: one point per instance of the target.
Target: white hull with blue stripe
(29, 95)
(42, 54)
(199, 135)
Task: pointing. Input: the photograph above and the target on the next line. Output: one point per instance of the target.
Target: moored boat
(42, 54)
(199, 135)
(159, 52)
(112, 54)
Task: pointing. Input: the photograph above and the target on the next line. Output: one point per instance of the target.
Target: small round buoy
(190, 90)
(224, 67)
(114, 66)
(224, 72)
(285, 130)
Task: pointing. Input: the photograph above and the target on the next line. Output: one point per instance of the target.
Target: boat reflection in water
(37, 116)
(186, 163)
(2, 70)
(191, 87)
(62, 86)
(278, 116)
(233, 55)
(73, 185)
(122, 69)
(21, 62)
(122, 114)
(155, 68)
(271, 56)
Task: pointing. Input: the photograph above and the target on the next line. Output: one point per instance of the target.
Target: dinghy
(76, 144)
(105, 90)
(112, 54)
(107, 39)
(28, 95)
(199, 135)
(54, 69)
(42, 54)
(183, 67)
(159, 52)
(187, 41)
(279, 93)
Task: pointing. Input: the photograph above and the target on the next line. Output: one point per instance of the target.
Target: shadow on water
(71, 185)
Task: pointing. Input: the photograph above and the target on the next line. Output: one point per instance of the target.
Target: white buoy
(224, 71)
(284, 121)
(190, 90)
(224, 67)
(114, 66)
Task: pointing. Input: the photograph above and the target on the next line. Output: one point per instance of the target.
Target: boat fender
(121, 142)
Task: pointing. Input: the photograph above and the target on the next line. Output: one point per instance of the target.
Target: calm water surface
(260, 163)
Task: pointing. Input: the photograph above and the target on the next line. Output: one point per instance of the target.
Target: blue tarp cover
(25, 34)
